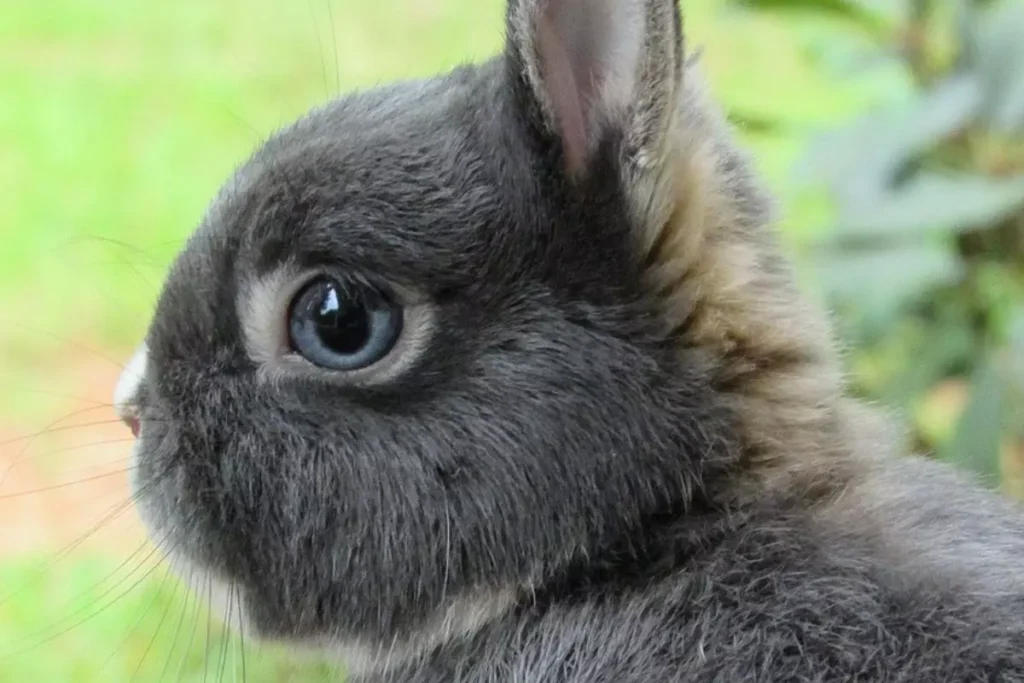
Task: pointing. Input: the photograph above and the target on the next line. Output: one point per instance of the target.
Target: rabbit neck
(728, 295)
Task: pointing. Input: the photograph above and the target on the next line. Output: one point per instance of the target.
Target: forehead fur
(432, 185)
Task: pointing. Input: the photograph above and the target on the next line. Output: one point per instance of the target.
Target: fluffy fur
(617, 446)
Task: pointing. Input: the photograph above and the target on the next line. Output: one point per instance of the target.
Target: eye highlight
(343, 326)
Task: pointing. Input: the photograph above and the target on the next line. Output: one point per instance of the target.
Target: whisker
(66, 428)
(112, 291)
(257, 135)
(177, 630)
(119, 509)
(113, 512)
(155, 549)
(241, 631)
(75, 625)
(13, 324)
(24, 455)
(334, 40)
(135, 269)
(209, 625)
(135, 626)
(67, 484)
(320, 49)
(81, 446)
(55, 394)
(333, 672)
(159, 626)
(112, 242)
(226, 641)
(99, 466)
(158, 545)
(195, 625)
(29, 439)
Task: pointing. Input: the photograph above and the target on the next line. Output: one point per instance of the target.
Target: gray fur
(578, 475)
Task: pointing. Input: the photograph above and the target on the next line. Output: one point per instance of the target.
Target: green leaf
(932, 361)
(1017, 333)
(934, 203)
(993, 49)
(879, 282)
(763, 67)
(824, 6)
(859, 162)
(1015, 370)
(862, 10)
(893, 11)
(976, 442)
(1003, 66)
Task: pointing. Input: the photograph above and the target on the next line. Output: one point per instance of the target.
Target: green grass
(87, 622)
(119, 119)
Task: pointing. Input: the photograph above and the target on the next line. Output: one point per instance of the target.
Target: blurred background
(891, 130)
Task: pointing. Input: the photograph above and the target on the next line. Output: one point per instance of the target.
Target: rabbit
(503, 375)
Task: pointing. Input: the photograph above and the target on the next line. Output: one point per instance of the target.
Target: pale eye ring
(343, 326)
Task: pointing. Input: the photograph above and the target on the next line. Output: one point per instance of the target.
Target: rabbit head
(439, 340)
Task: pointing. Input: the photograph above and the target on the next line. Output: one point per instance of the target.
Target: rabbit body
(500, 376)
(781, 596)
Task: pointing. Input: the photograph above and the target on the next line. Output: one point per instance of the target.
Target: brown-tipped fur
(716, 266)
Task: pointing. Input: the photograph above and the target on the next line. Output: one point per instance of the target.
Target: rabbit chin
(460, 617)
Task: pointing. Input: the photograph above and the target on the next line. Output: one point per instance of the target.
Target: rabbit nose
(128, 390)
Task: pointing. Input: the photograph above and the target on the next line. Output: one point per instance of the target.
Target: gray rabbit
(501, 376)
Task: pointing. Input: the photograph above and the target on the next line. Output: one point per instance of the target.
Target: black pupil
(342, 321)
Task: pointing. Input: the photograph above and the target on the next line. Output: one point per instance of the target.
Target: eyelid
(263, 309)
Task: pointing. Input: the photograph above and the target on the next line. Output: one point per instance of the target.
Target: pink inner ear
(569, 84)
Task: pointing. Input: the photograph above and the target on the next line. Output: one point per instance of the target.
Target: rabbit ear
(592, 68)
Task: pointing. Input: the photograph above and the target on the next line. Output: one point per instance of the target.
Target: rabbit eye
(343, 326)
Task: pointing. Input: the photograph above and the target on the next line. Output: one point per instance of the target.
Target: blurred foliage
(924, 257)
